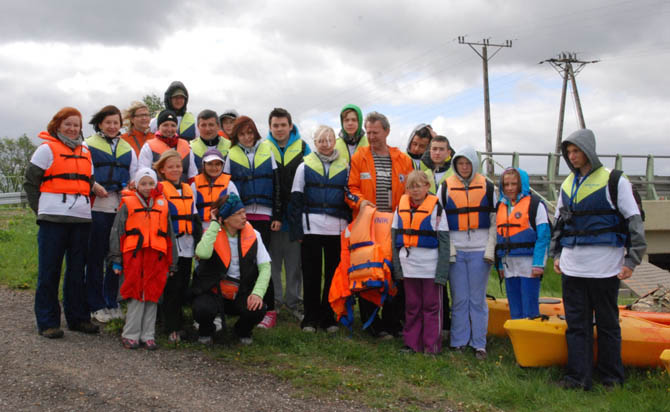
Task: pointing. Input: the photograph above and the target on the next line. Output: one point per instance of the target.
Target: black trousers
(582, 298)
(263, 227)
(446, 309)
(393, 313)
(175, 296)
(320, 254)
(207, 306)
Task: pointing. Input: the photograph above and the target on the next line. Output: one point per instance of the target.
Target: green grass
(376, 373)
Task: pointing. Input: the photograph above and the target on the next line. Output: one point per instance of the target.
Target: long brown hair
(240, 124)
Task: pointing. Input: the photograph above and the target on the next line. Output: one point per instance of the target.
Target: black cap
(166, 115)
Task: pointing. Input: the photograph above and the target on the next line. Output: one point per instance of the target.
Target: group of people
(268, 218)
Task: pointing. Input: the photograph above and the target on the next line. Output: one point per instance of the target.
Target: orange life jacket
(228, 287)
(471, 208)
(70, 171)
(136, 139)
(158, 147)
(207, 194)
(146, 227)
(365, 265)
(181, 207)
(415, 229)
(516, 234)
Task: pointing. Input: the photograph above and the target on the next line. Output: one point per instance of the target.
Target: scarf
(328, 159)
(351, 140)
(170, 141)
(71, 143)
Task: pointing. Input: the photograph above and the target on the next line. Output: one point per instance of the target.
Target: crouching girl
(522, 243)
(233, 274)
(142, 248)
(421, 258)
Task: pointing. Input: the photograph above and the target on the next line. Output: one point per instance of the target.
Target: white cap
(145, 171)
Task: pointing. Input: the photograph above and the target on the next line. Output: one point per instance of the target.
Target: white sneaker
(205, 340)
(196, 325)
(101, 316)
(309, 329)
(218, 323)
(332, 329)
(246, 341)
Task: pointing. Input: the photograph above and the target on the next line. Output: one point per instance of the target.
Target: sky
(401, 58)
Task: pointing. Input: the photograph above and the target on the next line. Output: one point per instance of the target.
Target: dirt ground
(95, 373)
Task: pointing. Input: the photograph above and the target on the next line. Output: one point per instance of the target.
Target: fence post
(618, 162)
(515, 160)
(651, 187)
(551, 176)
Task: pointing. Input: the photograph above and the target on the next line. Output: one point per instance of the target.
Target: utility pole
(563, 65)
(487, 107)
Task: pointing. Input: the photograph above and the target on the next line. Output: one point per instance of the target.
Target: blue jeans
(468, 278)
(102, 285)
(523, 295)
(55, 241)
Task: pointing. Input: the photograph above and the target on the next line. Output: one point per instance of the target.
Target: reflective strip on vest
(70, 171)
(254, 184)
(325, 194)
(187, 126)
(343, 148)
(112, 167)
(415, 228)
(198, 147)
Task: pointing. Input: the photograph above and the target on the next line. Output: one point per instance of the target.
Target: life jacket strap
(418, 232)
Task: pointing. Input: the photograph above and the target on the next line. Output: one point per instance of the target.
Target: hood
(409, 141)
(469, 153)
(168, 93)
(586, 141)
(525, 186)
(359, 132)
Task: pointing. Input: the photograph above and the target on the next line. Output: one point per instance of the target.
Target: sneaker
(218, 323)
(480, 354)
(130, 343)
(101, 316)
(406, 349)
(117, 313)
(384, 335)
(269, 320)
(151, 344)
(85, 327)
(297, 313)
(332, 329)
(205, 340)
(246, 341)
(457, 348)
(52, 333)
(196, 325)
(309, 329)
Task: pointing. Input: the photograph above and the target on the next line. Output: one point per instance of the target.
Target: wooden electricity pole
(487, 107)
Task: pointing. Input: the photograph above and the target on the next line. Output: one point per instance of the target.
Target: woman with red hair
(59, 180)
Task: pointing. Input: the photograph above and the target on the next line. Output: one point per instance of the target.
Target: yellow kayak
(499, 312)
(665, 359)
(541, 342)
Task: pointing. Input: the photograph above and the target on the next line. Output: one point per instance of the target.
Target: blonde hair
(417, 178)
(129, 113)
(160, 163)
(322, 131)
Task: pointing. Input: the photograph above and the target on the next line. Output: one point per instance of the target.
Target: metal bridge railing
(553, 182)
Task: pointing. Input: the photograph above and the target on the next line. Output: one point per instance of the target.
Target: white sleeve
(443, 224)
(192, 168)
(42, 157)
(226, 165)
(394, 224)
(232, 188)
(153, 125)
(559, 203)
(625, 199)
(541, 216)
(133, 165)
(299, 179)
(438, 193)
(262, 255)
(146, 157)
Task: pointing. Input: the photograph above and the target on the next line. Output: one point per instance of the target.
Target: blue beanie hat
(232, 205)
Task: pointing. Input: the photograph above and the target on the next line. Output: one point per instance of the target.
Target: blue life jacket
(111, 167)
(253, 182)
(325, 194)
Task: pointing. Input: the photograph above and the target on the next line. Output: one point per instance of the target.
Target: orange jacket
(146, 228)
(363, 178)
(70, 171)
(136, 139)
(364, 267)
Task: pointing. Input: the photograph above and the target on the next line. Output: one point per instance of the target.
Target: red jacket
(363, 177)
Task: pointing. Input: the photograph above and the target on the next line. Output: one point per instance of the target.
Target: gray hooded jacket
(585, 140)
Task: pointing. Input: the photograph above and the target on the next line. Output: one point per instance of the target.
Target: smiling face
(325, 143)
(145, 185)
(141, 119)
(246, 137)
(177, 102)
(208, 128)
(110, 125)
(213, 168)
(172, 169)
(70, 127)
(280, 128)
(168, 129)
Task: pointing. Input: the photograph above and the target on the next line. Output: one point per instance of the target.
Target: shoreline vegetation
(376, 373)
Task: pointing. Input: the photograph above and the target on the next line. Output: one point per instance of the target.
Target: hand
(254, 302)
(625, 273)
(170, 274)
(99, 191)
(213, 215)
(275, 226)
(117, 271)
(501, 274)
(488, 260)
(557, 266)
(131, 185)
(364, 203)
(537, 272)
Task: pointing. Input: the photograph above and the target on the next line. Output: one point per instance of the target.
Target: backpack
(613, 187)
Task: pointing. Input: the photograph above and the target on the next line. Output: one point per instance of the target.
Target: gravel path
(82, 372)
